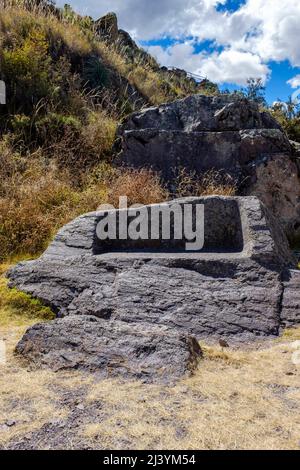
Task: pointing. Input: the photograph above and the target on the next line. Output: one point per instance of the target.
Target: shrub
(26, 69)
(99, 133)
(140, 186)
(53, 127)
(36, 202)
(17, 306)
(210, 183)
(291, 125)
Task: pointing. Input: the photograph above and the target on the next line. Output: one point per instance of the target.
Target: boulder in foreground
(111, 348)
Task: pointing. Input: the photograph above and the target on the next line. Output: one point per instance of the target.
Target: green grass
(18, 308)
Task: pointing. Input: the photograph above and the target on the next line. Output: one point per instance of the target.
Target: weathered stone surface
(200, 113)
(217, 291)
(226, 133)
(290, 314)
(277, 186)
(232, 151)
(112, 348)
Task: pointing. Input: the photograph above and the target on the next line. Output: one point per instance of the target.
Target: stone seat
(217, 290)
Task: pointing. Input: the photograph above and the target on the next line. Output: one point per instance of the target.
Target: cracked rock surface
(160, 300)
(110, 348)
(227, 133)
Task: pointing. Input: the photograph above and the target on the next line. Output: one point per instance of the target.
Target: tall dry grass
(210, 183)
(37, 197)
(140, 186)
(77, 35)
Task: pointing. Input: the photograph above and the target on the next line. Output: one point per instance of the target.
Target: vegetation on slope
(17, 308)
(67, 89)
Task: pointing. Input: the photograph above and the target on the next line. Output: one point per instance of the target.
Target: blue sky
(226, 41)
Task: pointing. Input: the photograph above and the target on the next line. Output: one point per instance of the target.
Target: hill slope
(69, 81)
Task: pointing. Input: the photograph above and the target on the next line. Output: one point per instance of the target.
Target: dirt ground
(239, 398)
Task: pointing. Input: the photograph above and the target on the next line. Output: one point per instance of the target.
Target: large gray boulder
(111, 348)
(233, 286)
(226, 133)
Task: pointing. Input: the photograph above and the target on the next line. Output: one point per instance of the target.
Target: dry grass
(26, 398)
(37, 198)
(238, 399)
(99, 133)
(17, 20)
(81, 41)
(34, 203)
(140, 186)
(210, 183)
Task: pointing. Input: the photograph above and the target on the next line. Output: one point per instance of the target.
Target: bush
(26, 68)
(290, 123)
(99, 133)
(140, 187)
(53, 127)
(36, 202)
(23, 304)
(210, 183)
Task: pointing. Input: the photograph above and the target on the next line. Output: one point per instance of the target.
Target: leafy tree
(288, 116)
(255, 91)
(292, 108)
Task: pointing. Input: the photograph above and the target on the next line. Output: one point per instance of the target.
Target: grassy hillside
(68, 86)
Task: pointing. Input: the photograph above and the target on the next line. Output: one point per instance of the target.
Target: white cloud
(228, 66)
(232, 66)
(260, 31)
(294, 82)
(153, 19)
(276, 27)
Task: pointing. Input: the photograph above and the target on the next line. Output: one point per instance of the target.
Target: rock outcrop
(226, 133)
(111, 348)
(107, 27)
(238, 285)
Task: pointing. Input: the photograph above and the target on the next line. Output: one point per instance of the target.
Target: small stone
(57, 423)
(290, 373)
(10, 423)
(223, 343)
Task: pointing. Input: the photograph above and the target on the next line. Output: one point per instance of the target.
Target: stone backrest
(233, 227)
